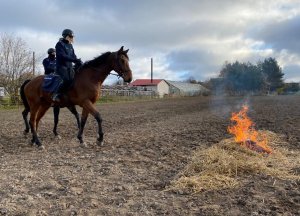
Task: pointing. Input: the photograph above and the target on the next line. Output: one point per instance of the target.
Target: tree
(239, 78)
(272, 73)
(15, 64)
(191, 79)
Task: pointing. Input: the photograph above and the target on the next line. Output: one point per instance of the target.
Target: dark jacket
(49, 64)
(65, 56)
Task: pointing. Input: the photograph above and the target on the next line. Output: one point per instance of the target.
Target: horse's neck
(93, 75)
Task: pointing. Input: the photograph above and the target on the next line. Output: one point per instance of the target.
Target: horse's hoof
(41, 147)
(100, 143)
(57, 137)
(83, 144)
(25, 133)
(31, 143)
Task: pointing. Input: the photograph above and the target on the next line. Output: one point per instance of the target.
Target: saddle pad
(51, 83)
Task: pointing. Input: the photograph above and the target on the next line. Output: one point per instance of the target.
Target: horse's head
(121, 64)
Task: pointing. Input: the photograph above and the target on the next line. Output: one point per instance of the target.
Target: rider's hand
(78, 61)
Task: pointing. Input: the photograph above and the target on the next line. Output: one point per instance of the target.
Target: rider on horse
(49, 63)
(65, 56)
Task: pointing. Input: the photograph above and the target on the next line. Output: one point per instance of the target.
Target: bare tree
(16, 64)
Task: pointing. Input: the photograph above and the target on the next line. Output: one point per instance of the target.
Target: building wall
(174, 90)
(162, 88)
(147, 88)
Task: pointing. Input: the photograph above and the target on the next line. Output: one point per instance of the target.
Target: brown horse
(84, 92)
(56, 110)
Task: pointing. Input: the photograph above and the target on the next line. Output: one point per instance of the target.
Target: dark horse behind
(84, 92)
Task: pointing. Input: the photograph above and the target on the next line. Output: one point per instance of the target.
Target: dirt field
(146, 145)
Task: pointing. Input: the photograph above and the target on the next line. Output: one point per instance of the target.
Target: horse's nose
(129, 80)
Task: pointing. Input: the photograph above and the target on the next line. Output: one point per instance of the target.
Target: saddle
(51, 83)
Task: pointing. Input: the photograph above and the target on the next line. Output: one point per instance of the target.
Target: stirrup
(55, 98)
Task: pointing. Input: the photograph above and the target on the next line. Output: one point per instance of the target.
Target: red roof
(145, 82)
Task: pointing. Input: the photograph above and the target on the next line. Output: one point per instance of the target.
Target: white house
(160, 86)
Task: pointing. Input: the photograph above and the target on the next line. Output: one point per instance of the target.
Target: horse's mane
(97, 61)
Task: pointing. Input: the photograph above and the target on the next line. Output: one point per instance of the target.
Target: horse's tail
(22, 94)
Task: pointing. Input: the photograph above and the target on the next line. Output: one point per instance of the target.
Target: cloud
(190, 38)
(281, 35)
(292, 72)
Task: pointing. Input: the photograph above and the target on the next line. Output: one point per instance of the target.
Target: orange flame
(244, 131)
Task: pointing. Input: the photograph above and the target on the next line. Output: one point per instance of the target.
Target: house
(186, 88)
(160, 86)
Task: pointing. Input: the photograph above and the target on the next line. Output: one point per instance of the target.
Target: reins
(117, 75)
(96, 69)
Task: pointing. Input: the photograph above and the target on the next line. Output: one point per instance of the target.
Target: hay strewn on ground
(226, 164)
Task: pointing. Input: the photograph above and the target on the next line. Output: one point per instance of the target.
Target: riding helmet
(67, 32)
(51, 50)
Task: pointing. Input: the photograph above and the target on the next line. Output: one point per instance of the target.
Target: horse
(84, 92)
(56, 110)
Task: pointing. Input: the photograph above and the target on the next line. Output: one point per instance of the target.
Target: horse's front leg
(84, 117)
(56, 110)
(100, 131)
(91, 109)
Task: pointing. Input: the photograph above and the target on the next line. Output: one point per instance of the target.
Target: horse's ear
(126, 51)
(121, 49)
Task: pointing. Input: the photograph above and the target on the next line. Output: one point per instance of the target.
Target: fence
(115, 94)
(127, 93)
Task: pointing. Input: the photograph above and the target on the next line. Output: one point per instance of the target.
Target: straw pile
(226, 164)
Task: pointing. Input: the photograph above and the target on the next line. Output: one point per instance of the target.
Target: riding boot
(56, 93)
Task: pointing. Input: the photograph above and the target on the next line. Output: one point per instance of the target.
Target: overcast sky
(190, 38)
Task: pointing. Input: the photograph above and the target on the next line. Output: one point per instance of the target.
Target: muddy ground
(147, 143)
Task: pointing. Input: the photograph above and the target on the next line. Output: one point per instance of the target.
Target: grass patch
(226, 164)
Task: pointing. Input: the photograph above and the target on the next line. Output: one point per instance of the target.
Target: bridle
(120, 66)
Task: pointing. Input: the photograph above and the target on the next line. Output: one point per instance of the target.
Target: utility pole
(151, 70)
(33, 63)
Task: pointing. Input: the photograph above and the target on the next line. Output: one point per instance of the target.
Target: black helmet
(51, 50)
(67, 32)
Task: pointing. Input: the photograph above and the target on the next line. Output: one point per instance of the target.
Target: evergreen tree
(272, 73)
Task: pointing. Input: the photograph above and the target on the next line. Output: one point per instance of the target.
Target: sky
(186, 39)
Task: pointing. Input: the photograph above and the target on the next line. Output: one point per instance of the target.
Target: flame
(244, 131)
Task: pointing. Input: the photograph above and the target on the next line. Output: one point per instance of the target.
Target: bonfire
(245, 133)
(226, 164)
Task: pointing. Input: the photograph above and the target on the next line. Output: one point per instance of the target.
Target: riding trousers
(67, 74)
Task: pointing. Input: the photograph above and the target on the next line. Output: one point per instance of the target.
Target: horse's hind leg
(25, 114)
(56, 110)
(35, 117)
(76, 114)
(32, 123)
(43, 109)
